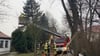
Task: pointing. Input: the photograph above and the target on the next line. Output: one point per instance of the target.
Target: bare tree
(83, 12)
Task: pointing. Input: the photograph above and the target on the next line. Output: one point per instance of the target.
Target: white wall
(5, 50)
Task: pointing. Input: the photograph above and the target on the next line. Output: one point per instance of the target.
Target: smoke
(60, 24)
(55, 13)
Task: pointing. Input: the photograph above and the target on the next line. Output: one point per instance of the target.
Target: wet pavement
(51, 54)
(68, 54)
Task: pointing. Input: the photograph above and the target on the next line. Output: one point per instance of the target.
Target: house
(5, 42)
(95, 33)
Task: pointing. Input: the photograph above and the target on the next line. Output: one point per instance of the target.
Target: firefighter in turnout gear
(54, 47)
(46, 48)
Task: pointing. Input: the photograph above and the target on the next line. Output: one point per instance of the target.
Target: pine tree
(32, 14)
(31, 11)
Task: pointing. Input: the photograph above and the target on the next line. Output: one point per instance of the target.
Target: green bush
(18, 41)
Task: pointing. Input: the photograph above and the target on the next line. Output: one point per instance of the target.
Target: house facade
(95, 35)
(5, 42)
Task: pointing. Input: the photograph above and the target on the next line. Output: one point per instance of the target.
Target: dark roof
(3, 36)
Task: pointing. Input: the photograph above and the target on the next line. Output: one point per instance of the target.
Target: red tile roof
(3, 36)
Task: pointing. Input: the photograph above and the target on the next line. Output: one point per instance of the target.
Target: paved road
(51, 54)
(68, 54)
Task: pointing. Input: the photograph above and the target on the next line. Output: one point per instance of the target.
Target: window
(6, 44)
(1, 44)
(60, 40)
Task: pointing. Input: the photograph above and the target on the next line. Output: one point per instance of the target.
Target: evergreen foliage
(27, 40)
(31, 11)
(18, 41)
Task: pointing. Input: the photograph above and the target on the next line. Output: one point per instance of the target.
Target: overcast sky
(13, 8)
(55, 11)
(9, 13)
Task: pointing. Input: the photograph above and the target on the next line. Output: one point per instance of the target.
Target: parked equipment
(62, 44)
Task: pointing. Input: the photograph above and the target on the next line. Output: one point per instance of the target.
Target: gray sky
(54, 10)
(9, 22)
(9, 12)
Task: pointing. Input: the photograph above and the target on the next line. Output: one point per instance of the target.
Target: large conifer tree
(34, 16)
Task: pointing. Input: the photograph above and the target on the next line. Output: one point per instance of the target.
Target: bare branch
(67, 14)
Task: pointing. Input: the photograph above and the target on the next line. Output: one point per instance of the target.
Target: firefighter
(54, 47)
(46, 47)
(43, 53)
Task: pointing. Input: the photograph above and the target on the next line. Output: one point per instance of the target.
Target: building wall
(5, 49)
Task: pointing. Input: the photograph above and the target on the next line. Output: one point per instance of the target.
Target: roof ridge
(3, 35)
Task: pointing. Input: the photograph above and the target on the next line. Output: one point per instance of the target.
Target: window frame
(1, 43)
(6, 44)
